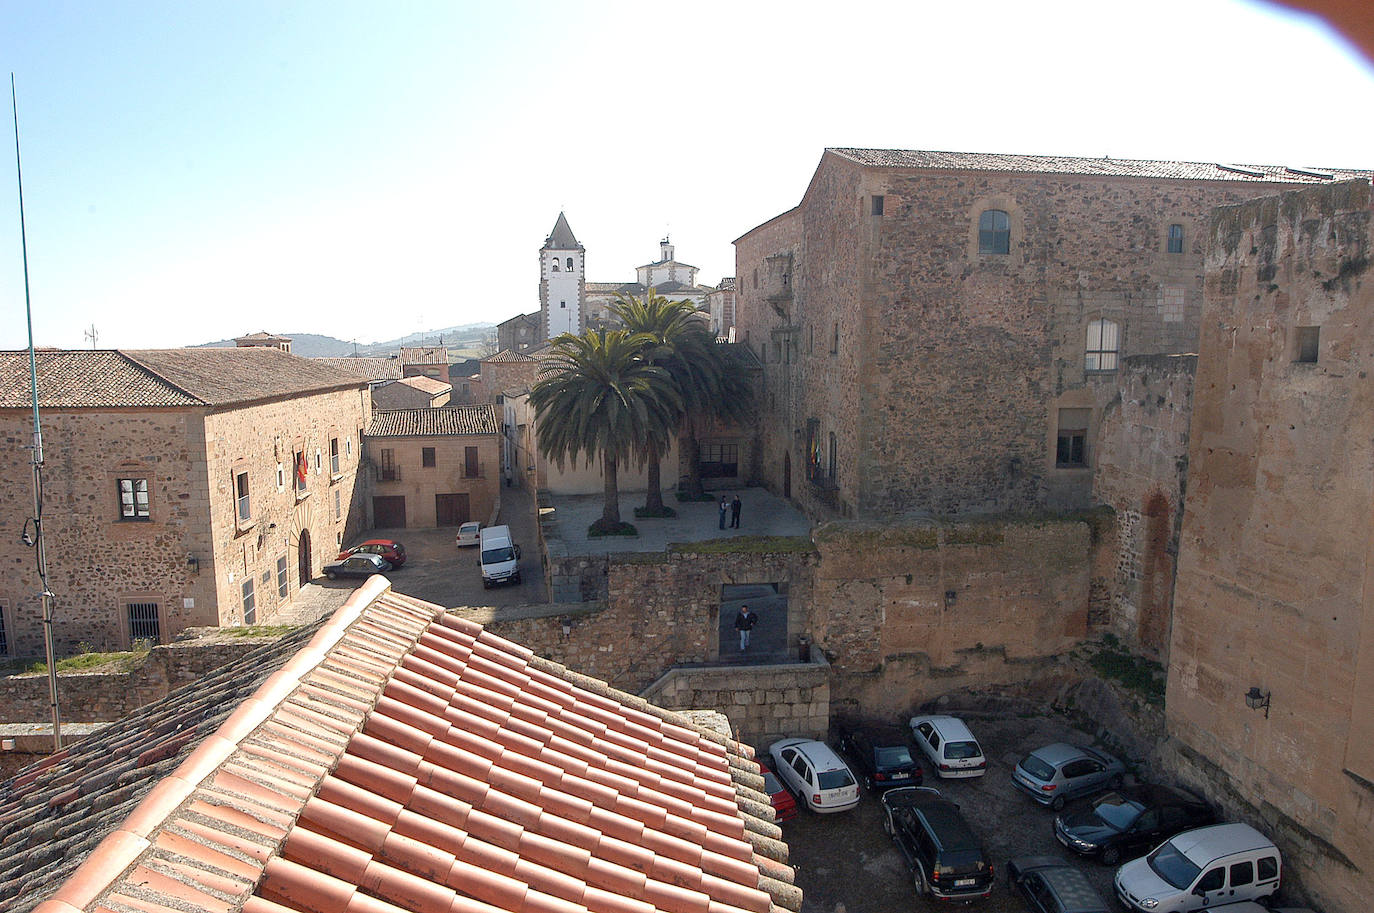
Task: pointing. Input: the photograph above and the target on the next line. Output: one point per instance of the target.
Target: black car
(880, 758)
(1050, 885)
(947, 859)
(357, 566)
(1131, 821)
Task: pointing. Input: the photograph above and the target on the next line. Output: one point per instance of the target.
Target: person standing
(744, 623)
(724, 506)
(735, 505)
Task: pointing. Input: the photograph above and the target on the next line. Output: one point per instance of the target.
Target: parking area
(845, 862)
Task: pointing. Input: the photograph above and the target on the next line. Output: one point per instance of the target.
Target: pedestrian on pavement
(744, 623)
(724, 506)
(735, 505)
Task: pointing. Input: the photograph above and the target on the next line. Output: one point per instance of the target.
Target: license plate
(901, 776)
(963, 882)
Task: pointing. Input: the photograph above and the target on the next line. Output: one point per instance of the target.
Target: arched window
(570, 266)
(1175, 239)
(555, 264)
(1101, 349)
(994, 232)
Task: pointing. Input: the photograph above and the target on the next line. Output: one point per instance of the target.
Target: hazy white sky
(199, 171)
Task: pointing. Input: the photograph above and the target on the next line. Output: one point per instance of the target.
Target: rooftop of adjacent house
(506, 355)
(261, 337)
(610, 288)
(426, 384)
(424, 355)
(446, 420)
(1107, 167)
(371, 368)
(402, 759)
(126, 378)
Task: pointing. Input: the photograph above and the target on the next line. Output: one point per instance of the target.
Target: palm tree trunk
(653, 501)
(610, 512)
(693, 447)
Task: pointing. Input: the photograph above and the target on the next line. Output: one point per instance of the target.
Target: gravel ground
(846, 864)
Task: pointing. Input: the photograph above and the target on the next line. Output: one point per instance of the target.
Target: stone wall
(1276, 566)
(419, 484)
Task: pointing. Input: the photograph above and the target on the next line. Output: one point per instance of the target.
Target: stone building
(182, 487)
(520, 333)
(425, 361)
(434, 467)
(1272, 651)
(417, 392)
(271, 340)
(721, 304)
(562, 280)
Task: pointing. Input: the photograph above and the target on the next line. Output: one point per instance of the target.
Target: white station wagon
(816, 774)
(951, 748)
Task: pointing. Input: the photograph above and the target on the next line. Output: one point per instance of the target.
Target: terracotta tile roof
(371, 368)
(426, 384)
(163, 377)
(406, 759)
(470, 419)
(610, 288)
(506, 355)
(1055, 164)
(424, 355)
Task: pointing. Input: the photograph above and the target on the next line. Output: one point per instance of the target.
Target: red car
(784, 806)
(392, 552)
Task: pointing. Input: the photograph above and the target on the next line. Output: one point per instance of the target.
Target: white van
(500, 556)
(1202, 868)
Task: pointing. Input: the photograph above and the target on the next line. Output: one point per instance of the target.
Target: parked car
(816, 774)
(1203, 868)
(1057, 773)
(469, 534)
(498, 557)
(1131, 821)
(356, 566)
(1050, 885)
(951, 748)
(784, 806)
(880, 758)
(389, 550)
(947, 859)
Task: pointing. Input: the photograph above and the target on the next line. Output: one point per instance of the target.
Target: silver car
(1056, 773)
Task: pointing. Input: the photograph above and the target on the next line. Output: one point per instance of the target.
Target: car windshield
(1037, 768)
(771, 784)
(960, 751)
(835, 779)
(1118, 812)
(497, 555)
(896, 756)
(1171, 865)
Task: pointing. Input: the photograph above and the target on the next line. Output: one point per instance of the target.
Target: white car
(468, 534)
(951, 748)
(816, 774)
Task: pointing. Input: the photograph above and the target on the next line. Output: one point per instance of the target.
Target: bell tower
(562, 282)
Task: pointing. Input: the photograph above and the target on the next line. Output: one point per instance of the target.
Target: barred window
(143, 622)
(133, 499)
(283, 582)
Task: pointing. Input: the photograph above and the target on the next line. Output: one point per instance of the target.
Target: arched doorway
(787, 474)
(303, 550)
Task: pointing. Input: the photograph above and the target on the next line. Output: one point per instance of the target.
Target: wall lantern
(1256, 699)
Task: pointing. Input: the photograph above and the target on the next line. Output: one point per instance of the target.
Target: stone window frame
(429, 458)
(241, 469)
(1186, 225)
(1103, 354)
(281, 477)
(1307, 344)
(1084, 460)
(125, 600)
(132, 469)
(1173, 241)
(1003, 202)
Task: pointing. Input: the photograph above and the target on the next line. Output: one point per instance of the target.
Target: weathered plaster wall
(1275, 579)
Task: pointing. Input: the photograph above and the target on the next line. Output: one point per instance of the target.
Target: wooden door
(389, 511)
(450, 509)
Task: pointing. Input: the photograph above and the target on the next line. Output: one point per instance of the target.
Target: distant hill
(462, 340)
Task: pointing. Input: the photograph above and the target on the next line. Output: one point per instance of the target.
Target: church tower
(562, 282)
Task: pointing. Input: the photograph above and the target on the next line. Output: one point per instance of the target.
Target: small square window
(133, 499)
(877, 209)
(427, 457)
(1175, 239)
(1308, 345)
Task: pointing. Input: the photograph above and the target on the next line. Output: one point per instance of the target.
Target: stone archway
(303, 555)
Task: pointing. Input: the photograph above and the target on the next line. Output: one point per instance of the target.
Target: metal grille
(143, 622)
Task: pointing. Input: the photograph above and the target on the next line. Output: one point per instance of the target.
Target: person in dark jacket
(735, 505)
(744, 623)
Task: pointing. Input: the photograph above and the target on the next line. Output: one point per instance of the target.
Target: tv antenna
(92, 334)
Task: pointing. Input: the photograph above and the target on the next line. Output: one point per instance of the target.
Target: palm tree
(677, 340)
(731, 402)
(597, 396)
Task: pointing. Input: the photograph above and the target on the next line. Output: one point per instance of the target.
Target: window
(387, 466)
(4, 638)
(348, 446)
(302, 470)
(1174, 298)
(570, 266)
(250, 603)
(1267, 868)
(472, 467)
(334, 455)
(1308, 339)
(1214, 880)
(319, 460)
(338, 504)
(877, 209)
(811, 340)
(994, 232)
(283, 583)
(133, 499)
(1071, 447)
(719, 461)
(835, 340)
(555, 264)
(562, 304)
(832, 458)
(1242, 873)
(241, 496)
(1175, 239)
(143, 622)
(813, 449)
(427, 457)
(1100, 354)
(281, 477)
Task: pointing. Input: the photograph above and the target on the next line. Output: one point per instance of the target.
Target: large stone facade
(434, 467)
(1275, 568)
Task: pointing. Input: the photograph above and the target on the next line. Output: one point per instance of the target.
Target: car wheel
(868, 783)
(331, 575)
(918, 878)
(515, 580)
(1057, 803)
(1111, 856)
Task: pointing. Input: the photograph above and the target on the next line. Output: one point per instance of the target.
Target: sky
(198, 171)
